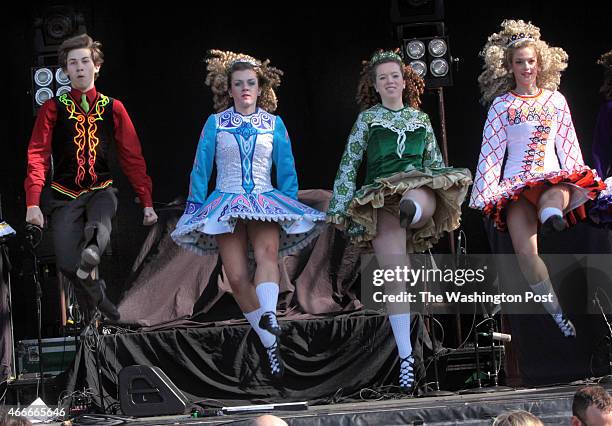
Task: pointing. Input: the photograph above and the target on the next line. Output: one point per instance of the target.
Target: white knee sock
(547, 212)
(418, 212)
(544, 288)
(267, 293)
(400, 324)
(267, 338)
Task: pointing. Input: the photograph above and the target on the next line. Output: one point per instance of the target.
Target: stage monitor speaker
(147, 391)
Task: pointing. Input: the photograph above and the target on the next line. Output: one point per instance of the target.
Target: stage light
(437, 47)
(62, 89)
(47, 82)
(43, 77)
(61, 77)
(419, 67)
(430, 57)
(42, 95)
(415, 49)
(439, 67)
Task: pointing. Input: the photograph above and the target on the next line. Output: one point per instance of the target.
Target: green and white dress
(402, 154)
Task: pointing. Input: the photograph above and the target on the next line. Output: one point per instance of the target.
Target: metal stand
(442, 113)
(5, 270)
(608, 378)
(33, 238)
(91, 331)
(436, 391)
(495, 387)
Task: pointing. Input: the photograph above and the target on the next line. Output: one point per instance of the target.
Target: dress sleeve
(344, 185)
(282, 156)
(566, 142)
(602, 141)
(203, 163)
(432, 157)
(492, 152)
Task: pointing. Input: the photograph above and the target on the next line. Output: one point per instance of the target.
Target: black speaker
(147, 391)
(408, 11)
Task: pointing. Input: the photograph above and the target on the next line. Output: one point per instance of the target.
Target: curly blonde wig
(606, 61)
(517, 418)
(366, 94)
(221, 65)
(497, 78)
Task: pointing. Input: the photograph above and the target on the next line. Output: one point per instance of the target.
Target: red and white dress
(536, 138)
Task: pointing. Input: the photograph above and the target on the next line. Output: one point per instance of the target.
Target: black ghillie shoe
(90, 258)
(96, 291)
(268, 322)
(565, 325)
(406, 377)
(407, 210)
(553, 224)
(276, 367)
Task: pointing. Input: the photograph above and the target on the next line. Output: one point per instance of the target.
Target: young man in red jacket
(75, 131)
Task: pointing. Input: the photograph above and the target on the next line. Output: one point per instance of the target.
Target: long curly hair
(606, 61)
(497, 78)
(220, 66)
(367, 96)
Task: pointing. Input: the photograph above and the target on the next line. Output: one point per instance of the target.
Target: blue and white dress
(244, 148)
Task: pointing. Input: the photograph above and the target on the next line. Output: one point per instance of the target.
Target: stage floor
(552, 404)
(344, 366)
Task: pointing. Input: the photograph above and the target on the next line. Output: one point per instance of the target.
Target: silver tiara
(245, 60)
(517, 38)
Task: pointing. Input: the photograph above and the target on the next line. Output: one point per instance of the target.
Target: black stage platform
(344, 367)
(551, 404)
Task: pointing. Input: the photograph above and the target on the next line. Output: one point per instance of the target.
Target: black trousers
(76, 223)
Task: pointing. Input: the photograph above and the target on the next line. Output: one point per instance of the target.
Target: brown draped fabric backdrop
(171, 281)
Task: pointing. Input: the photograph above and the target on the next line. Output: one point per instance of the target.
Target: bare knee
(266, 253)
(556, 196)
(238, 280)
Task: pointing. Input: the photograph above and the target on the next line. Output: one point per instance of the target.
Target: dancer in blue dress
(245, 214)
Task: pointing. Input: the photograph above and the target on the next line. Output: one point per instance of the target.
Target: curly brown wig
(367, 96)
(606, 61)
(221, 65)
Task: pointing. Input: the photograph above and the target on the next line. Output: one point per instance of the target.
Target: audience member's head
(517, 418)
(8, 420)
(592, 406)
(269, 420)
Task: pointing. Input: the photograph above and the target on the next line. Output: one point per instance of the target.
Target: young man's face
(81, 69)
